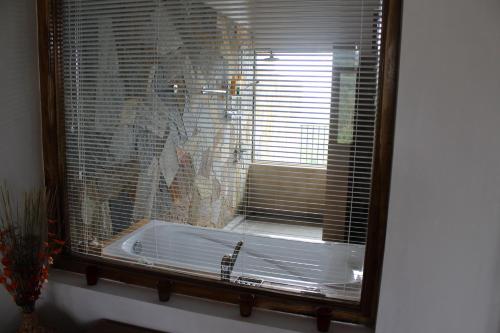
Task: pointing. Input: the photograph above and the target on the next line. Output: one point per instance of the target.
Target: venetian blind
(194, 125)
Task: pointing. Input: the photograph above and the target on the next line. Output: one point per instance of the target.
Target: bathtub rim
(115, 251)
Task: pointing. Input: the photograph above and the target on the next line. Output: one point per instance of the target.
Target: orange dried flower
(6, 261)
(58, 241)
(11, 286)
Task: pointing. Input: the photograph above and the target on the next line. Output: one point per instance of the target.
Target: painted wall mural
(189, 150)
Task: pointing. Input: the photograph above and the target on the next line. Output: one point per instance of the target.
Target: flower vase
(30, 322)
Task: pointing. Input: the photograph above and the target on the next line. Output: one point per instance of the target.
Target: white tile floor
(276, 229)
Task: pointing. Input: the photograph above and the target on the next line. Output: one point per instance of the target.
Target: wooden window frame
(53, 140)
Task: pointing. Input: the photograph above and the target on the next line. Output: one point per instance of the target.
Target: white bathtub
(332, 269)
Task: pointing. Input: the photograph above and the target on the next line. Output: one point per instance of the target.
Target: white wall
(442, 261)
(20, 150)
(71, 306)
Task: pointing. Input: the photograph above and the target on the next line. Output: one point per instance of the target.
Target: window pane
(292, 107)
(347, 101)
(199, 137)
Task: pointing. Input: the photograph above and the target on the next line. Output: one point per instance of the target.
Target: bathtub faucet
(228, 261)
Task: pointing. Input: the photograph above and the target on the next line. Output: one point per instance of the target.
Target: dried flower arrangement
(27, 246)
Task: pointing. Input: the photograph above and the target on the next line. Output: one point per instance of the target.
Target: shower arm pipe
(214, 92)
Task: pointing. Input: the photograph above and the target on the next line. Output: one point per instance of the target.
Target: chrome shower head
(271, 57)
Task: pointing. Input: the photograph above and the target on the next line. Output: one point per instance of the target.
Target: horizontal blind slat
(219, 121)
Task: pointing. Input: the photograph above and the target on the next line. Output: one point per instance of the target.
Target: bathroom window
(296, 95)
(292, 107)
(219, 141)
